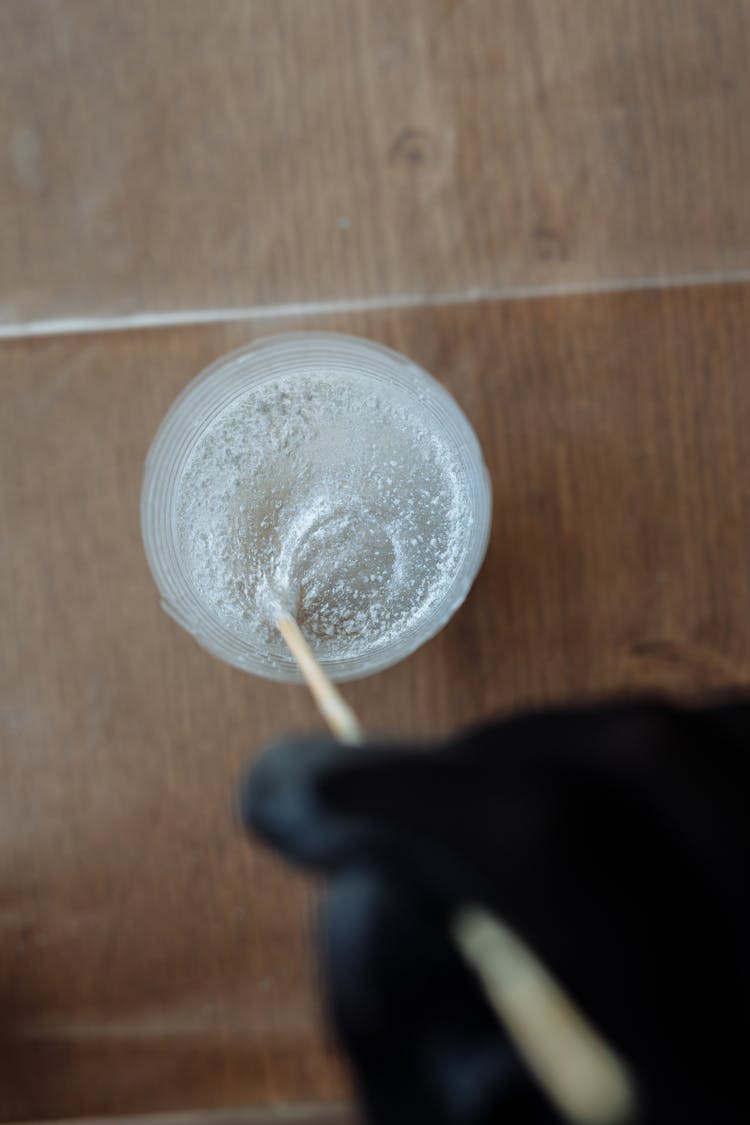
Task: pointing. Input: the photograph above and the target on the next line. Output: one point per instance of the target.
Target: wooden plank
(288, 1115)
(168, 154)
(151, 959)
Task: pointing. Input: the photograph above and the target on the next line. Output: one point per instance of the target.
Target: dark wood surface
(160, 155)
(316, 1114)
(150, 958)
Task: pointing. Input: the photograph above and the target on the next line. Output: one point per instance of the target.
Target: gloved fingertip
(276, 796)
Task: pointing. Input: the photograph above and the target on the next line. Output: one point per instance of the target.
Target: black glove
(614, 840)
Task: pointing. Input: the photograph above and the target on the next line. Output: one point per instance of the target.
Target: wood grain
(150, 958)
(169, 154)
(333, 1114)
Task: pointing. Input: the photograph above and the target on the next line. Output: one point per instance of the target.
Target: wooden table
(151, 959)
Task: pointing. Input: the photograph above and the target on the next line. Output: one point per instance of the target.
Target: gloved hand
(613, 839)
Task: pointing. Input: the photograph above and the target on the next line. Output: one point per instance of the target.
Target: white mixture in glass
(330, 498)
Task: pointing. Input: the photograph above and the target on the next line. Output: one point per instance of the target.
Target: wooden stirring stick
(581, 1074)
(337, 713)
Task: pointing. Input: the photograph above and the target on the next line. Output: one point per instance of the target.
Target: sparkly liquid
(330, 498)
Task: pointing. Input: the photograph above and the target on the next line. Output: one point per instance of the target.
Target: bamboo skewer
(337, 713)
(581, 1074)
